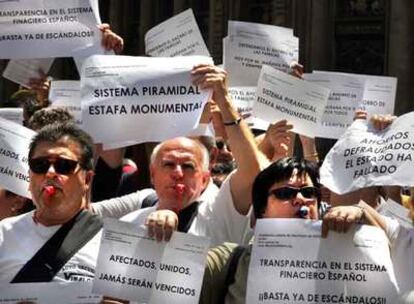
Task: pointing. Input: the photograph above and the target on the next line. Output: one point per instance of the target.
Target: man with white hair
(180, 176)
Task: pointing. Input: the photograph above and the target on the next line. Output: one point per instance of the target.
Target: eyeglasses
(41, 165)
(286, 193)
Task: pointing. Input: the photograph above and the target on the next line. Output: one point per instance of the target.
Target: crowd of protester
(215, 187)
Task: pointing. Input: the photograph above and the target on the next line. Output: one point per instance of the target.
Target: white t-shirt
(21, 238)
(402, 254)
(119, 206)
(216, 218)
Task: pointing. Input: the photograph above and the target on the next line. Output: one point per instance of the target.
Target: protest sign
(244, 57)
(14, 149)
(243, 99)
(49, 293)
(66, 94)
(20, 71)
(379, 92)
(178, 36)
(291, 263)
(396, 211)
(141, 98)
(346, 95)
(42, 29)
(201, 130)
(256, 30)
(133, 266)
(281, 96)
(363, 157)
(12, 114)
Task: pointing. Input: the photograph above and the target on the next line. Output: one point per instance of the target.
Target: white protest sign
(256, 30)
(363, 157)
(379, 92)
(201, 130)
(346, 95)
(66, 94)
(20, 71)
(291, 263)
(396, 211)
(12, 114)
(141, 98)
(281, 96)
(133, 266)
(41, 29)
(244, 58)
(244, 98)
(49, 293)
(178, 36)
(14, 149)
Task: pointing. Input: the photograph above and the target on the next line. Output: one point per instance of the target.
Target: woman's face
(286, 198)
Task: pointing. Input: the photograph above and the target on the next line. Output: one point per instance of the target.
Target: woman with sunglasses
(288, 188)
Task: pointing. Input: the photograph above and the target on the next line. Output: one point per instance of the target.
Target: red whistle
(180, 188)
(50, 190)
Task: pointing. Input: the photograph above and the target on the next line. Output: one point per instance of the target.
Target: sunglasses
(286, 193)
(41, 165)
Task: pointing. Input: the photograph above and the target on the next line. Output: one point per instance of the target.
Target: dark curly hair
(54, 132)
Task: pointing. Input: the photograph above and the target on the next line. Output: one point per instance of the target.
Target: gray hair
(205, 157)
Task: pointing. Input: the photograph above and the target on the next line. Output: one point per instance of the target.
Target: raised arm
(245, 151)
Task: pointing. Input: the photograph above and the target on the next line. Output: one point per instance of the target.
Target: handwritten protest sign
(20, 71)
(246, 51)
(379, 92)
(41, 29)
(244, 98)
(133, 266)
(291, 263)
(48, 293)
(346, 95)
(365, 157)
(66, 94)
(152, 95)
(281, 96)
(12, 114)
(14, 149)
(178, 36)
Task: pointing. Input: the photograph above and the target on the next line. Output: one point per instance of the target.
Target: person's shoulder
(14, 220)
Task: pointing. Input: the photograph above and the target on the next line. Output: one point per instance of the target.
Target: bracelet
(315, 154)
(235, 122)
(361, 218)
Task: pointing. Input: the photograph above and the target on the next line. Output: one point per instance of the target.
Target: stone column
(400, 52)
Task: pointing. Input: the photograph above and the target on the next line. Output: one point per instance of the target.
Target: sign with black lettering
(140, 99)
(66, 94)
(379, 92)
(42, 29)
(243, 98)
(364, 157)
(345, 97)
(291, 263)
(14, 149)
(249, 46)
(281, 96)
(177, 36)
(132, 266)
(21, 71)
(49, 293)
